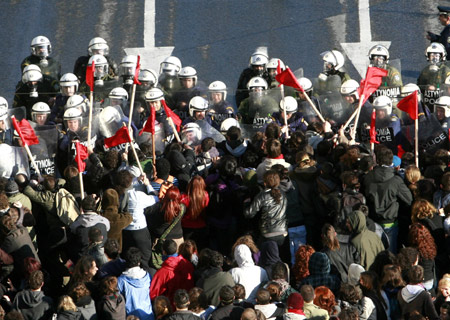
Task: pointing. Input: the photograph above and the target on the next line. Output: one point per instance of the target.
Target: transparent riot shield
(160, 138)
(262, 105)
(249, 130)
(82, 134)
(14, 160)
(20, 113)
(209, 131)
(326, 84)
(110, 119)
(44, 153)
(334, 108)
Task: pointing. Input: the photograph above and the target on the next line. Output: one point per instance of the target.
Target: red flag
(136, 73)
(372, 82)
(90, 70)
(122, 136)
(400, 151)
(81, 154)
(409, 104)
(288, 79)
(170, 114)
(373, 130)
(150, 123)
(279, 67)
(25, 131)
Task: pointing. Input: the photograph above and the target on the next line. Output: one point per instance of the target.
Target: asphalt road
(215, 36)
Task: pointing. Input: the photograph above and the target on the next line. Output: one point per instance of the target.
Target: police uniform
(221, 111)
(52, 70)
(295, 123)
(393, 79)
(429, 76)
(242, 90)
(444, 37)
(248, 116)
(100, 92)
(6, 137)
(82, 62)
(183, 96)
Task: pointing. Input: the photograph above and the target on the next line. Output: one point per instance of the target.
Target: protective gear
(383, 103)
(3, 104)
(350, 87)
(290, 104)
(73, 114)
(188, 73)
(154, 94)
(101, 68)
(171, 66)
(3, 114)
(257, 82)
(148, 76)
(435, 48)
(306, 84)
(409, 88)
(198, 104)
(32, 73)
(333, 60)
(98, 46)
(191, 133)
(110, 120)
(273, 64)
(119, 93)
(68, 80)
(39, 108)
(127, 68)
(227, 124)
(375, 53)
(444, 103)
(258, 59)
(42, 48)
(218, 86)
(76, 101)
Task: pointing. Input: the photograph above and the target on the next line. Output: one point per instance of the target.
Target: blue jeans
(392, 234)
(297, 237)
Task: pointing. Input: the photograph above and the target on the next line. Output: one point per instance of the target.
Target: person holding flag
(350, 93)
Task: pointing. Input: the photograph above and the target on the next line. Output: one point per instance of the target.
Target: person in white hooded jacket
(247, 273)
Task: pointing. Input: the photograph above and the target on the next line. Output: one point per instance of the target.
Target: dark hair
(227, 166)
(122, 181)
(383, 258)
(392, 276)
(95, 235)
(187, 249)
(7, 224)
(349, 313)
(262, 296)
(249, 314)
(181, 298)
(81, 270)
(108, 285)
(30, 265)
(112, 248)
(233, 133)
(70, 171)
(239, 291)
(197, 300)
(111, 159)
(384, 156)
(445, 181)
(329, 238)
(133, 257)
(207, 144)
(171, 204)
(407, 159)
(36, 279)
(216, 259)
(79, 291)
(272, 181)
(282, 171)
(272, 131)
(415, 274)
(350, 293)
(274, 289)
(169, 247)
(14, 315)
(279, 271)
(49, 182)
(369, 282)
(307, 292)
(350, 179)
(226, 295)
(250, 159)
(273, 148)
(162, 306)
(88, 203)
(162, 168)
(366, 163)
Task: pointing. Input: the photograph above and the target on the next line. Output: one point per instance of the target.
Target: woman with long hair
(84, 271)
(419, 237)
(324, 298)
(391, 283)
(371, 289)
(111, 304)
(300, 269)
(67, 310)
(425, 213)
(195, 199)
(161, 215)
(249, 242)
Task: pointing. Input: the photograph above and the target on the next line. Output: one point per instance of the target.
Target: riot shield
(160, 138)
(431, 135)
(249, 130)
(429, 96)
(334, 108)
(44, 153)
(14, 160)
(110, 119)
(209, 131)
(326, 84)
(20, 113)
(262, 105)
(392, 84)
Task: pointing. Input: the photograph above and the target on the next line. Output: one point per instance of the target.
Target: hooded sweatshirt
(415, 297)
(247, 274)
(134, 284)
(366, 242)
(33, 304)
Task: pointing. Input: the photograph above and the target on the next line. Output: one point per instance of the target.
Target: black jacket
(183, 315)
(228, 312)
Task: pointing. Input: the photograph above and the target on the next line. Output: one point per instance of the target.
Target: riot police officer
(433, 76)
(219, 108)
(153, 98)
(303, 105)
(349, 91)
(40, 114)
(271, 68)
(295, 120)
(189, 89)
(168, 78)
(97, 45)
(333, 61)
(68, 87)
(423, 110)
(444, 37)
(6, 134)
(385, 117)
(379, 57)
(442, 110)
(256, 68)
(198, 108)
(127, 71)
(41, 48)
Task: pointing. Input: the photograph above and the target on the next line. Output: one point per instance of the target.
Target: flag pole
(350, 119)
(358, 112)
(91, 102)
(133, 94)
(416, 142)
(314, 107)
(372, 144)
(34, 164)
(175, 132)
(134, 152)
(80, 176)
(284, 111)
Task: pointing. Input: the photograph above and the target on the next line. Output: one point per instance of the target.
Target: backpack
(164, 186)
(346, 203)
(67, 208)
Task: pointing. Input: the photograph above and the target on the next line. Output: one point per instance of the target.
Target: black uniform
(79, 69)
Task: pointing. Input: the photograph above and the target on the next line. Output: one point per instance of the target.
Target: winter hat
(11, 188)
(295, 301)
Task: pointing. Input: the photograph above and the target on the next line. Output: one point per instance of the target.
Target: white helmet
(39, 108)
(118, 93)
(154, 94)
(199, 104)
(409, 88)
(148, 75)
(127, 68)
(98, 46)
(110, 120)
(3, 114)
(436, 47)
(444, 103)
(350, 87)
(383, 103)
(41, 47)
(305, 83)
(72, 114)
(379, 50)
(68, 80)
(273, 64)
(100, 61)
(171, 65)
(193, 128)
(3, 103)
(256, 82)
(218, 86)
(188, 73)
(333, 57)
(31, 73)
(258, 59)
(227, 124)
(290, 103)
(76, 102)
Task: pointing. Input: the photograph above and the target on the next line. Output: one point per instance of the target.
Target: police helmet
(194, 128)
(188, 73)
(128, 65)
(227, 124)
(409, 88)
(3, 114)
(257, 82)
(39, 108)
(171, 65)
(259, 59)
(444, 103)
(154, 94)
(68, 80)
(290, 103)
(436, 47)
(118, 93)
(379, 50)
(31, 73)
(350, 87)
(305, 83)
(148, 75)
(333, 57)
(218, 86)
(273, 64)
(100, 61)
(3, 103)
(72, 114)
(383, 103)
(198, 104)
(78, 102)
(41, 47)
(98, 45)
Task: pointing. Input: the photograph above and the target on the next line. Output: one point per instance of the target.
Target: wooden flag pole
(416, 142)
(134, 151)
(80, 176)
(314, 107)
(358, 113)
(33, 163)
(284, 111)
(175, 132)
(91, 102)
(130, 116)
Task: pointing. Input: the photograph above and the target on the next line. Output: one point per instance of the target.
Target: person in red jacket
(175, 273)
